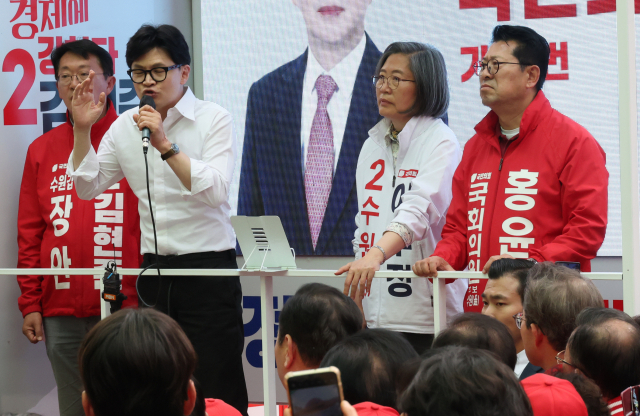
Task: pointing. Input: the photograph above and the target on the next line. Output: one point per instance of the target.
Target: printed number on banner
(13, 114)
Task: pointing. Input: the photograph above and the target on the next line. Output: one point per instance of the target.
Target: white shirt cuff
(88, 169)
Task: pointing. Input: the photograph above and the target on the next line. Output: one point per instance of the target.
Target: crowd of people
(529, 190)
(140, 362)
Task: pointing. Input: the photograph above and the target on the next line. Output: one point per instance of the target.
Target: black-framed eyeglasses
(66, 79)
(158, 74)
(392, 80)
(560, 359)
(493, 66)
(519, 317)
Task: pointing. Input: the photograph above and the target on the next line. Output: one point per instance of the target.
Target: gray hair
(430, 73)
(555, 296)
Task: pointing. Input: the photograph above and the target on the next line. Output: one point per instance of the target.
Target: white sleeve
(97, 172)
(426, 204)
(211, 176)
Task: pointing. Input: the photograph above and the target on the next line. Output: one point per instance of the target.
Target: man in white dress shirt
(503, 297)
(190, 164)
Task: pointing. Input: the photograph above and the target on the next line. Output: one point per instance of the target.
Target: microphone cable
(147, 100)
(155, 242)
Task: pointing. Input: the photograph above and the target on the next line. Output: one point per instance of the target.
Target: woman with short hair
(403, 180)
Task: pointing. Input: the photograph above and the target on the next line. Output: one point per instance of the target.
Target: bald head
(479, 331)
(607, 350)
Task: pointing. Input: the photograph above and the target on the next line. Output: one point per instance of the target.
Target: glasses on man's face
(158, 74)
(67, 79)
(393, 81)
(560, 359)
(493, 66)
(519, 317)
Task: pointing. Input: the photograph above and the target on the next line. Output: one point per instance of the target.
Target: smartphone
(570, 264)
(315, 392)
(630, 398)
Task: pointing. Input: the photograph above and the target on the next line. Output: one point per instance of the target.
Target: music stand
(267, 252)
(263, 243)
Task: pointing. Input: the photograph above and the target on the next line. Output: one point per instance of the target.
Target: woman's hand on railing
(360, 274)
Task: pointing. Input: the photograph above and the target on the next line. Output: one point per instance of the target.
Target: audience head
(137, 362)
(589, 391)
(551, 396)
(408, 371)
(555, 296)
(427, 95)
(459, 381)
(504, 294)
(606, 348)
(311, 322)
(479, 331)
(200, 407)
(369, 362)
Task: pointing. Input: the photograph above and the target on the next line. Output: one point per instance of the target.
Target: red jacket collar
(538, 110)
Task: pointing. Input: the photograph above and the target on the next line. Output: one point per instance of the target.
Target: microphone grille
(147, 100)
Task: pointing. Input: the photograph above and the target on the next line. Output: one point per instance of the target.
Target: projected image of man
(306, 122)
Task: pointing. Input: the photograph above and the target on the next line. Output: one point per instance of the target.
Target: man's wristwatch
(173, 151)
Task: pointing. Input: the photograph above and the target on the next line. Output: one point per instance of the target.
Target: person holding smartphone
(403, 179)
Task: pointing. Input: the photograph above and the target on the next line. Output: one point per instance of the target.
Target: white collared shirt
(186, 221)
(521, 363)
(344, 74)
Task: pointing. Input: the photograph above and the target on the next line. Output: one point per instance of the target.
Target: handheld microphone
(146, 100)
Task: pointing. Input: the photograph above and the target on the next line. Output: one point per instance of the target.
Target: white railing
(266, 307)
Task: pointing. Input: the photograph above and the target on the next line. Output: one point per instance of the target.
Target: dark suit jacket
(271, 181)
(530, 370)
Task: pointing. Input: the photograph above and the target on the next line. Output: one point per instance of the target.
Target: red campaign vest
(58, 229)
(545, 199)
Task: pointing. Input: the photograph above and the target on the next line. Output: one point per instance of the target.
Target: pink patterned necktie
(318, 174)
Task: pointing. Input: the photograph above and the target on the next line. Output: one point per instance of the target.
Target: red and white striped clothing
(615, 406)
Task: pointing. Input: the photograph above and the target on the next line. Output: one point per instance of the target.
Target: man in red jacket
(57, 229)
(532, 183)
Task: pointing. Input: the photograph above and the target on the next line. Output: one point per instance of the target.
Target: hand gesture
(84, 109)
(429, 267)
(32, 327)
